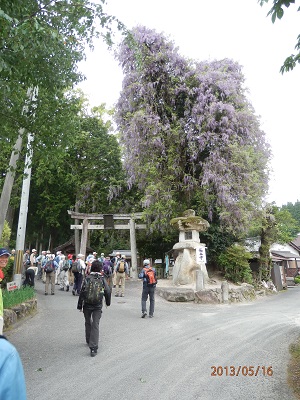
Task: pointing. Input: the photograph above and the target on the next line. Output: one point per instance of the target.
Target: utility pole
(21, 231)
(11, 171)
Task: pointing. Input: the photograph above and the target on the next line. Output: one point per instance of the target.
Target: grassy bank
(15, 297)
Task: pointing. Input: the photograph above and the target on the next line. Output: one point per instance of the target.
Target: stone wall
(212, 296)
(16, 313)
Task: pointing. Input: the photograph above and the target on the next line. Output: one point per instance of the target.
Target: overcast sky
(217, 29)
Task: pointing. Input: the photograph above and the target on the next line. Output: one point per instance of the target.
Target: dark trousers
(92, 321)
(29, 277)
(77, 282)
(148, 291)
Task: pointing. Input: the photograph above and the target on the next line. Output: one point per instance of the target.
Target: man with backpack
(78, 269)
(148, 274)
(107, 268)
(94, 288)
(121, 272)
(64, 266)
(50, 269)
(115, 261)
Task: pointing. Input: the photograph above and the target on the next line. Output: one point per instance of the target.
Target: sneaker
(73, 292)
(67, 289)
(121, 295)
(150, 316)
(46, 294)
(62, 289)
(114, 286)
(52, 294)
(117, 295)
(93, 352)
(144, 314)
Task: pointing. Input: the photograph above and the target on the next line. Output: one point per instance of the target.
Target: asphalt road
(172, 356)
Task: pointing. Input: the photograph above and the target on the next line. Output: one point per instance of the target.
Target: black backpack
(49, 267)
(94, 289)
(76, 267)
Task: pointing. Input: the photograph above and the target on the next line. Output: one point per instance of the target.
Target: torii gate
(132, 226)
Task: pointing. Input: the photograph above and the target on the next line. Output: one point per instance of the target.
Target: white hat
(146, 262)
(102, 254)
(80, 255)
(33, 251)
(122, 256)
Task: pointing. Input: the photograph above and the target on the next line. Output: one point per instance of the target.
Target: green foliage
(277, 12)
(217, 241)
(297, 279)
(41, 45)
(294, 210)
(287, 226)
(273, 225)
(18, 296)
(277, 226)
(235, 263)
(4, 240)
(82, 166)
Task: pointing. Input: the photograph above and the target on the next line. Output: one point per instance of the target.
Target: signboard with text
(11, 286)
(201, 255)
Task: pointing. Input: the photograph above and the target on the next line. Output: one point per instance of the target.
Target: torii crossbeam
(132, 226)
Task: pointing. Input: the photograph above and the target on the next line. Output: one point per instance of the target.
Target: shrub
(18, 296)
(235, 263)
(8, 272)
(297, 279)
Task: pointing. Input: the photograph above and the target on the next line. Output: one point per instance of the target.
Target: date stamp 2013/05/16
(251, 370)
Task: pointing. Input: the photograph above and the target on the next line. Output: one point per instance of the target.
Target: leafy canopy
(277, 11)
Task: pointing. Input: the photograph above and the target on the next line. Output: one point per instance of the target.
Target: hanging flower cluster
(188, 131)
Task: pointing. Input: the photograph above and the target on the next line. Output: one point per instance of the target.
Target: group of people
(94, 279)
(96, 283)
(96, 286)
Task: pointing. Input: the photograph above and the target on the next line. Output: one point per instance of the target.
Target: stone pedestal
(191, 253)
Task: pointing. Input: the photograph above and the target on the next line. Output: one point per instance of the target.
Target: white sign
(11, 286)
(201, 255)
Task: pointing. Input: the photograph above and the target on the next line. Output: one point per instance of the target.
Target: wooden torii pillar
(131, 226)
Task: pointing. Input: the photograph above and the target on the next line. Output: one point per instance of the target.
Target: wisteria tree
(189, 135)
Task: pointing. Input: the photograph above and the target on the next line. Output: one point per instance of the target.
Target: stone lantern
(191, 253)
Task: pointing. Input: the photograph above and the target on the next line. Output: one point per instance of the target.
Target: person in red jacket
(148, 274)
(4, 255)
